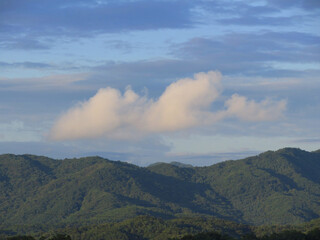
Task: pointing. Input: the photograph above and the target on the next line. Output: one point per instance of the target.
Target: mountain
(280, 187)
(273, 187)
(177, 164)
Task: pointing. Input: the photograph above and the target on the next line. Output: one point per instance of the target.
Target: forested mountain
(281, 187)
(273, 187)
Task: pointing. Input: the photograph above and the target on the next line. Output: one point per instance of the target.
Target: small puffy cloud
(184, 104)
(101, 114)
(249, 110)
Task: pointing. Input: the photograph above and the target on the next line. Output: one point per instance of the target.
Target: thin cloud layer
(184, 104)
(93, 16)
(40, 83)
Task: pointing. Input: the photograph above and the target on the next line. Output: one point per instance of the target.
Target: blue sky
(145, 81)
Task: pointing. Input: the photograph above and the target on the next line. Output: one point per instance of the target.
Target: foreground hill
(281, 187)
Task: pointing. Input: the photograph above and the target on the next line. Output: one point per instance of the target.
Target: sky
(143, 81)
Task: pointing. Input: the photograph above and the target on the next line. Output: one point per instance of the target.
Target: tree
(313, 234)
(21, 238)
(60, 236)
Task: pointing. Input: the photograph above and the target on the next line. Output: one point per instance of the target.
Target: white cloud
(249, 110)
(101, 114)
(184, 104)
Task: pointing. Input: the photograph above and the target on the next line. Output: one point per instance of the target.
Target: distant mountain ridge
(177, 164)
(275, 187)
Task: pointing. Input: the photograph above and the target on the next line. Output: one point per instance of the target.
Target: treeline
(57, 236)
(141, 227)
(148, 227)
(284, 235)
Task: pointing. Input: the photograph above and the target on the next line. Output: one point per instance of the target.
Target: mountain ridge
(274, 187)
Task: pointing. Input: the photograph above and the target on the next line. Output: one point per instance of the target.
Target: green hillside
(281, 187)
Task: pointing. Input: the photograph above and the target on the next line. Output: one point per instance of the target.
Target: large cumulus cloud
(186, 103)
